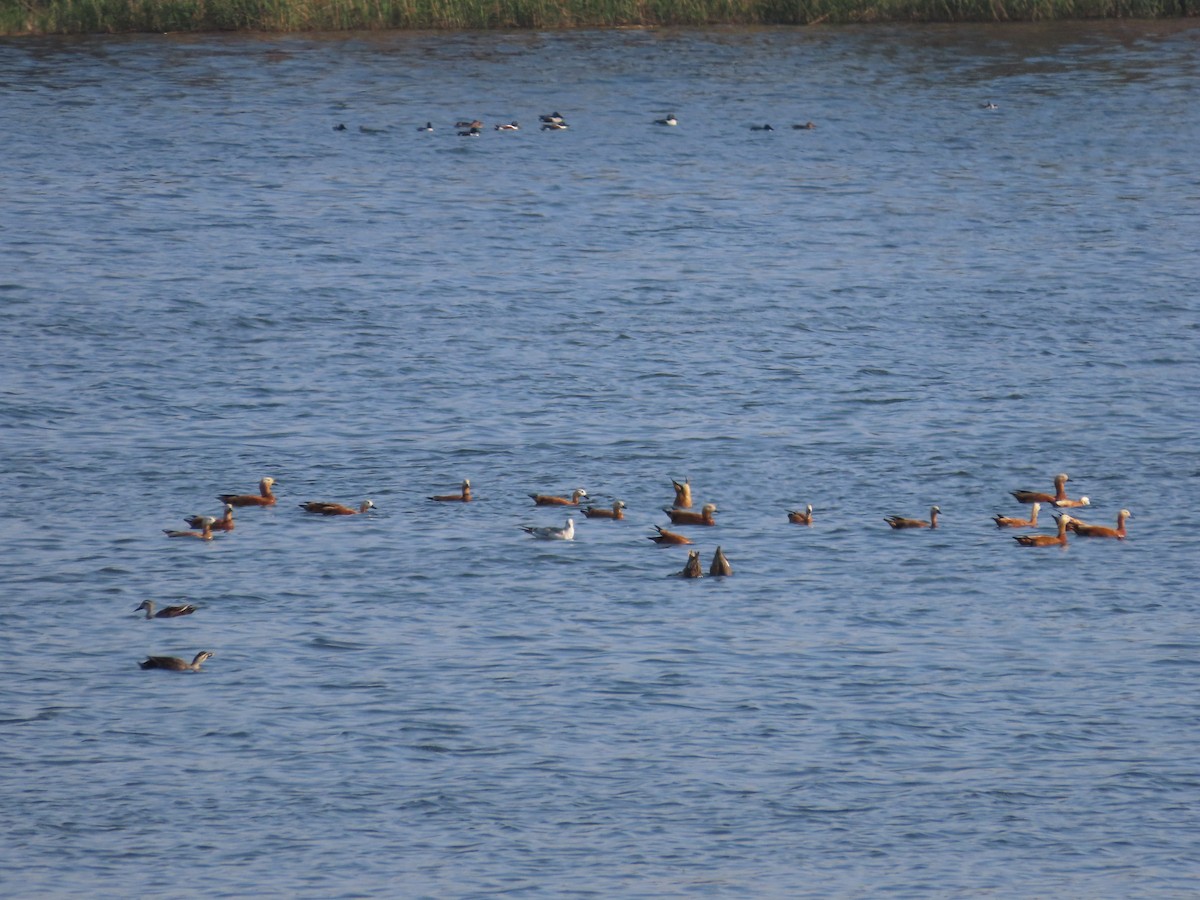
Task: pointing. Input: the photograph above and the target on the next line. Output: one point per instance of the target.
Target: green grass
(110, 16)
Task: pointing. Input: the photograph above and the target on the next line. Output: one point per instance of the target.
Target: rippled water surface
(918, 302)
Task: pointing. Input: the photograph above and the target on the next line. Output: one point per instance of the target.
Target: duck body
(323, 508)
(807, 126)
(471, 132)
(801, 518)
(1060, 492)
(720, 565)
(1013, 522)
(689, 517)
(1046, 540)
(204, 534)
(669, 121)
(511, 126)
(693, 569)
(600, 512)
(1068, 503)
(668, 537)
(552, 500)
(225, 523)
(554, 126)
(683, 493)
(167, 612)
(1083, 529)
(464, 497)
(428, 126)
(554, 118)
(901, 522)
(548, 533)
(175, 664)
(761, 128)
(463, 123)
(264, 497)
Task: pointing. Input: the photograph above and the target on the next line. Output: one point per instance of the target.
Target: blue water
(918, 302)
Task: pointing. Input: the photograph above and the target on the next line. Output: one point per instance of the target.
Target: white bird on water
(566, 533)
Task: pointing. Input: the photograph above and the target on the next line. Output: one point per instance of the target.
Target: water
(920, 301)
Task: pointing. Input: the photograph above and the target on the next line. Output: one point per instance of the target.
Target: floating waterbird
(1012, 522)
(692, 569)
(801, 518)
(167, 612)
(511, 126)
(600, 512)
(901, 522)
(1083, 529)
(720, 565)
(669, 120)
(687, 517)
(175, 664)
(1072, 504)
(1045, 540)
(323, 508)
(465, 496)
(668, 537)
(1060, 492)
(761, 128)
(807, 126)
(264, 497)
(683, 493)
(552, 500)
(204, 534)
(566, 533)
(225, 523)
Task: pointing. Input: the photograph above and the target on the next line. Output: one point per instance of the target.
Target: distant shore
(34, 17)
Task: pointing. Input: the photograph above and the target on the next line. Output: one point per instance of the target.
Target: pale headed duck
(1060, 492)
(566, 533)
(683, 493)
(801, 518)
(668, 537)
(901, 522)
(175, 664)
(720, 565)
(225, 523)
(264, 497)
(167, 612)
(464, 497)
(601, 512)
(1013, 522)
(323, 508)
(1045, 540)
(693, 569)
(687, 517)
(1083, 529)
(204, 534)
(1072, 504)
(552, 500)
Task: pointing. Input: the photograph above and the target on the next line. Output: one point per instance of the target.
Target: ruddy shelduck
(1083, 529)
(901, 522)
(323, 508)
(1045, 540)
(225, 523)
(1060, 492)
(801, 518)
(204, 534)
(552, 500)
(464, 497)
(683, 493)
(1013, 522)
(264, 497)
(688, 517)
(1072, 504)
(668, 537)
(603, 512)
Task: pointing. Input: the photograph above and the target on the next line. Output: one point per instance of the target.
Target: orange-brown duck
(551, 500)
(1083, 529)
(175, 664)
(683, 493)
(464, 497)
(1060, 492)
(901, 522)
(602, 512)
(204, 534)
(688, 517)
(669, 537)
(1045, 540)
(1072, 504)
(264, 497)
(167, 612)
(801, 518)
(323, 508)
(225, 523)
(1013, 522)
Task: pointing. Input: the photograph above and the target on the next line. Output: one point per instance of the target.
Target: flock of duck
(681, 513)
(548, 122)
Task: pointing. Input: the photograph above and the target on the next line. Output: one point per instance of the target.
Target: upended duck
(720, 565)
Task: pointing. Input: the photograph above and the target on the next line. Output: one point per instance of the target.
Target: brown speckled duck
(688, 517)
(264, 497)
(324, 508)
(720, 565)
(464, 497)
(693, 569)
(602, 512)
(901, 522)
(552, 500)
(167, 612)
(175, 664)
(669, 537)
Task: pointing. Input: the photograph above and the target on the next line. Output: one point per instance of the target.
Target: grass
(112, 16)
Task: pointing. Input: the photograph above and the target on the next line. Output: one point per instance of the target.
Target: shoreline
(34, 18)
